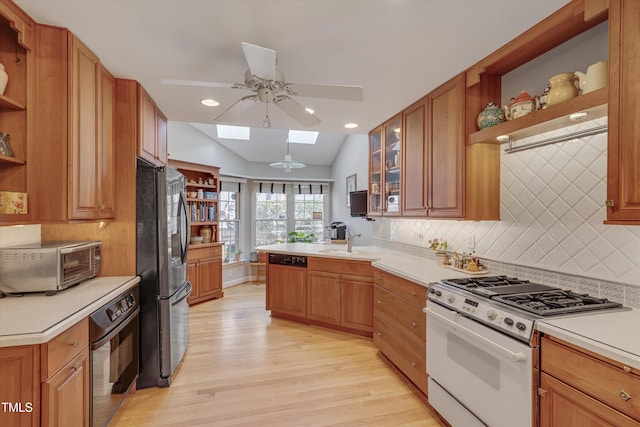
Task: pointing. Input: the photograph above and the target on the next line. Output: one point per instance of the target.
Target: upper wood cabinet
(16, 42)
(385, 168)
(415, 160)
(153, 130)
(623, 175)
(73, 136)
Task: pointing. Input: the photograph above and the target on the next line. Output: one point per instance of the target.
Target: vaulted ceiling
(397, 50)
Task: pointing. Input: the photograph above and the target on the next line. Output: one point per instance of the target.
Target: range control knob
(521, 326)
(451, 299)
(508, 321)
(491, 314)
(438, 293)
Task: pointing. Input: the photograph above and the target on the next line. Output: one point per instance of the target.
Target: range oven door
(478, 376)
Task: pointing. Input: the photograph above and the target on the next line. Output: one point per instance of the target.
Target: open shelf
(10, 104)
(12, 160)
(552, 118)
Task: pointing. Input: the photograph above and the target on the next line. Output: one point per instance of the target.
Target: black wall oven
(114, 354)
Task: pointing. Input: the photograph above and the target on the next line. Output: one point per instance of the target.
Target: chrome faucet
(350, 238)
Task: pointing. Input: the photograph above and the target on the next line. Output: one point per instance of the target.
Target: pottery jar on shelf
(206, 232)
(4, 79)
(522, 105)
(491, 115)
(562, 87)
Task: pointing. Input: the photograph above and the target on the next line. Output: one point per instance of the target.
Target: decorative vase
(561, 88)
(4, 79)
(491, 115)
(5, 148)
(206, 232)
(440, 256)
(522, 105)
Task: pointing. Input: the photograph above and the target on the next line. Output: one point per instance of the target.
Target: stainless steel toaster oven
(48, 267)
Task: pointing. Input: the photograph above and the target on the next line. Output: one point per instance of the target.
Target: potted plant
(238, 253)
(299, 236)
(440, 246)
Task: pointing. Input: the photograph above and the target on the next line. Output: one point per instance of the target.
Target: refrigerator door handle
(189, 288)
(184, 228)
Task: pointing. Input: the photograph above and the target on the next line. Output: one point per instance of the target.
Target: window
(305, 207)
(282, 208)
(271, 218)
(229, 223)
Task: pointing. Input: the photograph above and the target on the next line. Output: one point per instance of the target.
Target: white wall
(351, 159)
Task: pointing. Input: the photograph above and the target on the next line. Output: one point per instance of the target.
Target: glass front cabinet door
(385, 143)
(375, 172)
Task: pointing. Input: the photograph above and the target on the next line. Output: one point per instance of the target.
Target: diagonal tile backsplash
(552, 208)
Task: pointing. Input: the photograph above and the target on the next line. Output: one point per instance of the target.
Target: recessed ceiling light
(351, 125)
(310, 110)
(209, 102)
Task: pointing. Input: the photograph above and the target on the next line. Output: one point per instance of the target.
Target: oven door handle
(516, 357)
(97, 344)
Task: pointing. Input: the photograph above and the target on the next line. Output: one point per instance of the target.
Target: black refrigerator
(162, 239)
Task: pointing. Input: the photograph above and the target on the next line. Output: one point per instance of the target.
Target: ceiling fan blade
(180, 82)
(237, 109)
(261, 60)
(296, 111)
(344, 93)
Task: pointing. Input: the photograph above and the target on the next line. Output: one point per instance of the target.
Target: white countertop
(36, 318)
(411, 267)
(615, 335)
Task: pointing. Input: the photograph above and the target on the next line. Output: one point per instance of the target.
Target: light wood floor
(244, 368)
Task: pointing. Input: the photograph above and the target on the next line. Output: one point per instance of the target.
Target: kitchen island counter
(36, 318)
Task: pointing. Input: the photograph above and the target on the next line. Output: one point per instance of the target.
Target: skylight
(302, 137)
(233, 132)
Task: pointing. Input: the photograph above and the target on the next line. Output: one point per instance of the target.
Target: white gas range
(480, 347)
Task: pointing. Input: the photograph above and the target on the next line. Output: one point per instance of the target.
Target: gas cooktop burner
(556, 302)
(490, 286)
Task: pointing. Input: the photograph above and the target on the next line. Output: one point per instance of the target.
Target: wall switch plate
(471, 241)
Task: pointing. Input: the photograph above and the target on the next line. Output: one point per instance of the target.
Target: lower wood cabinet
(47, 384)
(204, 271)
(399, 325)
(580, 388)
(287, 291)
(331, 292)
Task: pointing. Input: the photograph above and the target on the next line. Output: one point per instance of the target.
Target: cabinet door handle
(414, 364)
(75, 343)
(414, 324)
(379, 302)
(75, 367)
(379, 334)
(624, 395)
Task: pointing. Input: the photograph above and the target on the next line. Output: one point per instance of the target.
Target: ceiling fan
(269, 86)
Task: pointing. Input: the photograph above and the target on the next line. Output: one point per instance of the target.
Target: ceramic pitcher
(562, 87)
(597, 77)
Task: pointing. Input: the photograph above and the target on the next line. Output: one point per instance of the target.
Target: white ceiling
(397, 50)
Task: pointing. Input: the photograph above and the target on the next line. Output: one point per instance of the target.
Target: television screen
(358, 200)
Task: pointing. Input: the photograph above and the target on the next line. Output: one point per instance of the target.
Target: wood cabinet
(75, 110)
(340, 294)
(579, 388)
(16, 54)
(287, 291)
(47, 384)
(399, 325)
(385, 163)
(204, 271)
(20, 386)
(202, 195)
(152, 139)
(442, 176)
(623, 172)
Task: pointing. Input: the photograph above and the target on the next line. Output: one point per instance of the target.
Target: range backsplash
(551, 227)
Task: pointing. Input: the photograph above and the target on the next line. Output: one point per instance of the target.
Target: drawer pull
(379, 334)
(379, 302)
(75, 343)
(414, 364)
(626, 368)
(624, 395)
(76, 366)
(414, 294)
(414, 324)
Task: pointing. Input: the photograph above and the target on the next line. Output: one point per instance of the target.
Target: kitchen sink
(345, 252)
